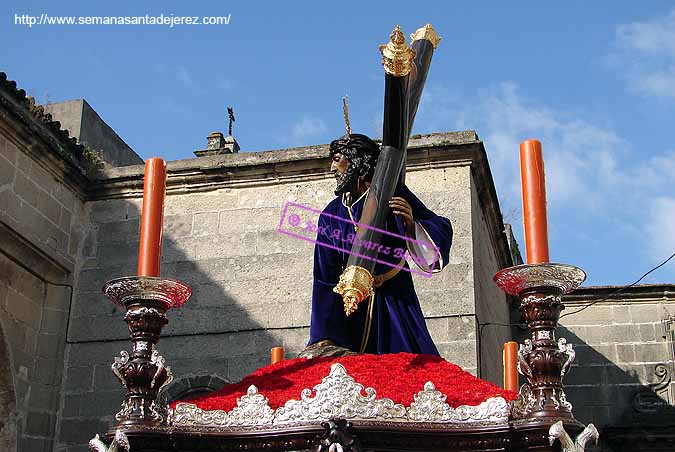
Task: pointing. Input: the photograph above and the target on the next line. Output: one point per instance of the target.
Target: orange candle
(534, 201)
(277, 355)
(154, 188)
(510, 369)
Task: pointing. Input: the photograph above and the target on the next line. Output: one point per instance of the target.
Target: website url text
(167, 20)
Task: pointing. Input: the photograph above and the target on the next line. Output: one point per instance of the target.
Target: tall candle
(534, 201)
(510, 369)
(154, 188)
(276, 355)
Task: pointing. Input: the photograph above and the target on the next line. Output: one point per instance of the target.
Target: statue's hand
(402, 208)
(324, 347)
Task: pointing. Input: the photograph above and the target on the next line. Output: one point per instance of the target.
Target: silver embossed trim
(543, 334)
(170, 292)
(189, 414)
(340, 396)
(140, 346)
(430, 406)
(524, 403)
(159, 361)
(252, 409)
(117, 365)
(120, 442)
(523, 367)
(514, 280)
(566, 349)
(567, 444)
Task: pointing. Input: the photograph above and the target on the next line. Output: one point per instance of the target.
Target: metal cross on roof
(230, 113)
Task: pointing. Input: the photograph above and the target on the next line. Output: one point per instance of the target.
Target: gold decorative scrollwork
(355, 285)
(426, 32)
(396, 55)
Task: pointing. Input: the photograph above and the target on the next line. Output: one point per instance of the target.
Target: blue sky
(594, 81)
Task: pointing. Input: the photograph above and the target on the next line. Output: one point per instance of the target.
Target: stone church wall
(622, 375)
(492, 305)
(39, 241)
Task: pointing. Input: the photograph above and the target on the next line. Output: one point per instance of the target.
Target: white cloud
(580, 156)
(591, 171)
(659, 84)
(661, 227)
(306, 129)
(647, 53)
(653, 37)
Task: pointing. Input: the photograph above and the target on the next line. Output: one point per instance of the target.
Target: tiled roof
(34, 117)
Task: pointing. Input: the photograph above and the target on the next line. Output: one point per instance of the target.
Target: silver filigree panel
(340, 396)
(252, 409)
(524, 403)
(430, 406)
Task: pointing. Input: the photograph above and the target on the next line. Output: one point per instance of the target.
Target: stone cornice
(646, 293)
(270, 167)
(247, 169)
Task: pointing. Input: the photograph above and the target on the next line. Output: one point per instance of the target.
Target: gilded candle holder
(144, 372)
(541, 359)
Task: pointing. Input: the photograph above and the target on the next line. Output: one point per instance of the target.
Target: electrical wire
(523, 326)
(618, 291)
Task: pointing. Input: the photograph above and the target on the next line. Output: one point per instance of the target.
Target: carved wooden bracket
(336, 437)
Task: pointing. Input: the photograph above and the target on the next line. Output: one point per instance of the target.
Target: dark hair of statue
(362, 154)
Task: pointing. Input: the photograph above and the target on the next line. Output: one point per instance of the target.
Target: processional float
(337, 414)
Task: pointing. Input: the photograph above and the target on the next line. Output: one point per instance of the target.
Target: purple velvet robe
(397, 323)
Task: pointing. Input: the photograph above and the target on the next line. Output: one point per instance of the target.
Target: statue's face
(339, 165)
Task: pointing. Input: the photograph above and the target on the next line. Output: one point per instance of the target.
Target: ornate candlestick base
(144, 372)
(542, 360)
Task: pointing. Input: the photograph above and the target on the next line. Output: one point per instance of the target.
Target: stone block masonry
(36, 202)
(40, 235)
(618, 342)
